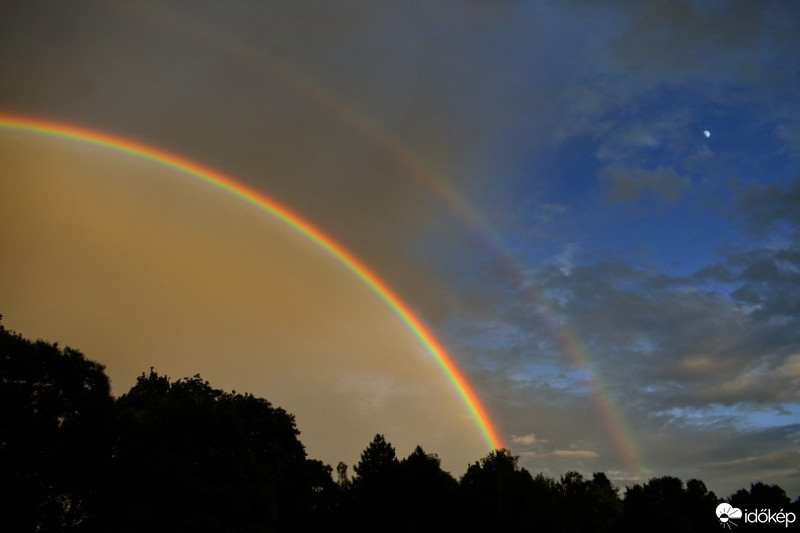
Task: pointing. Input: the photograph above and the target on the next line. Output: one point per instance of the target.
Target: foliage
(665, 504)
(55, 406)
(494, 490)
(183, 456)
(193, 456)
(428, 493)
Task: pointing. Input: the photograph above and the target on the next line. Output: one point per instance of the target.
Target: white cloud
(525, 440)
(563, 454)
(575, 454)
(565, 259)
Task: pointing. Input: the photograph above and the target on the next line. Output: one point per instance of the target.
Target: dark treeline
(183, 456)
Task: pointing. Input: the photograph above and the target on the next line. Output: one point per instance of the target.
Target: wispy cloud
(562, 454)
(628, 184)
(525, 440)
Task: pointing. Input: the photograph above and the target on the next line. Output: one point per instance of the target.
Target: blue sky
(573, 132)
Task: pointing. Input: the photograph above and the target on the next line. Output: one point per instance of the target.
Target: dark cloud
(692, 361)
(681, 36)
(772, 208)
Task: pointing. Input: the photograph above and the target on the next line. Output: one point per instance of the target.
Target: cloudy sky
(594, 208)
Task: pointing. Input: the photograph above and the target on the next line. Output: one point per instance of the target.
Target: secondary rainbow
(338, 252)
(271, 68)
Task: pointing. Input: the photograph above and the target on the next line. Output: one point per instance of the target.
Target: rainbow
(569, 341)
(17, 123)
(576, 353)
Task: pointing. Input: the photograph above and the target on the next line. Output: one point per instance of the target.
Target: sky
(595, 209)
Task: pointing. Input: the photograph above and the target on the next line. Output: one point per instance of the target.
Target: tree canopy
(180, 455)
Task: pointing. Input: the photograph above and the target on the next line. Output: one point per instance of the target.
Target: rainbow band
(266, 204)
(621, 436)
(572, 348)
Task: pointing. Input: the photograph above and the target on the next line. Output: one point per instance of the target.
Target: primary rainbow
(219, 180)
(574, 351)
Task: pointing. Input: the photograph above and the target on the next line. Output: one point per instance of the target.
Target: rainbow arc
(401, 309)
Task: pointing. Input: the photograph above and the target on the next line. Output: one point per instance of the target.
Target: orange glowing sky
(138, 266)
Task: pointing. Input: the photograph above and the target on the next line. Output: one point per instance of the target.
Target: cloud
(562, 454)
(698, 363)
(574, 454)
(788, 128)
(782, 459)
(627, 142)
(737, 318)
(771, 207)
(565, 259)
(629, 184)
(525, 440)
(724, 353)
(761, 384)
(583, 108)
(679, 36)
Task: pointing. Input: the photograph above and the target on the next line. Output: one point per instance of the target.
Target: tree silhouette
(663, 504)
(374, 494)
(495, 493)
(378, 461)
(324, 512)
(427, 494)
(697, 502)
(763, 496)
(341, 476)
(190, 456)
(55, 408)
(587, 504)
(183, 456)
(545, 505)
